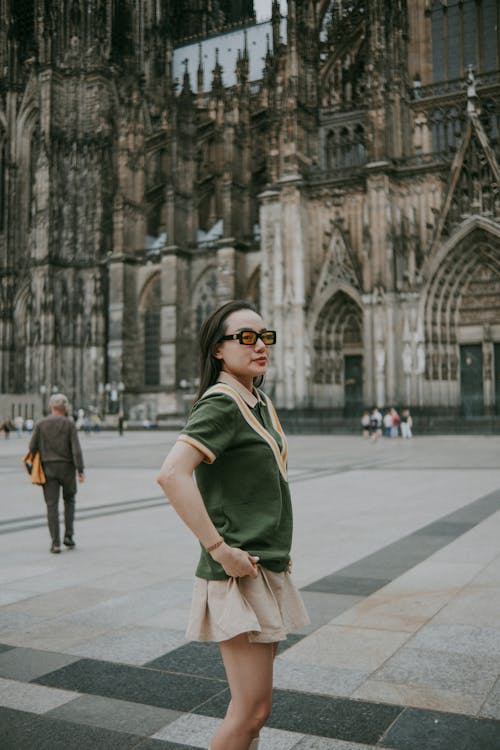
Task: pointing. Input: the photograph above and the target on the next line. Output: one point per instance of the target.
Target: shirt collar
(250, 398)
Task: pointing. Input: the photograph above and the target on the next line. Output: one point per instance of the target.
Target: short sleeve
(211, 425)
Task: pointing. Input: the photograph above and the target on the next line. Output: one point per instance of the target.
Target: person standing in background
(396, 421)
(56, 438)
(365, 423)
(406, 424)
(375, 423)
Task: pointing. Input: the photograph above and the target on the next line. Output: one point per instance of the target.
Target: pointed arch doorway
(338, 355)
(462, 315)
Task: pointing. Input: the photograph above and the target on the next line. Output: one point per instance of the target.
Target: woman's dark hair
(211, 332)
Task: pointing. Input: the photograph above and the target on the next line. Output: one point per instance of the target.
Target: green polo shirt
(244, 491)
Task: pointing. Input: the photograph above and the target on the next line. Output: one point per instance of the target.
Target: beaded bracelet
(215, 546)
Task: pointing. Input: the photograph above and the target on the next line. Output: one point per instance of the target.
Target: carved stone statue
(407, 359)
(380, 358)
(420, 363)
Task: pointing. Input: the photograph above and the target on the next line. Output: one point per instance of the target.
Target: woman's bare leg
(249, 670)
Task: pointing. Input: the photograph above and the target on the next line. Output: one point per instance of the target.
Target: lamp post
(121, 388)
(187, 396)
(107, 390)
(43, 393)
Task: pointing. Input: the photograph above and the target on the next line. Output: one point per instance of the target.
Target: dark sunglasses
(249, 338)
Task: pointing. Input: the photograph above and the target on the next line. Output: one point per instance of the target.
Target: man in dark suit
(56, 438)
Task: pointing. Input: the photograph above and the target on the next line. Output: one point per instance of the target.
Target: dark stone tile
(385, 566)
(341, 718)
(374, 571)
(5, 647)
(291, 640)
(163, 689)
(216, 706)
(162, 745)
(344, 719)
(450, 528)
(25, 731)
(424, 544)
(322, 607)
(397, 558)
(204, 659)
(115, 715)
(432, 730)
(476, 511)
(488, 503)
(201, 659)
(336, 583)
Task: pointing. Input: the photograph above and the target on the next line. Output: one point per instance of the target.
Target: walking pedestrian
(119, 423)
(56, 438)
(240, 510)
(18, 425)
(6, 427)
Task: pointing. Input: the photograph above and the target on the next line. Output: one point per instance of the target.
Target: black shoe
(68, 541)
(55, 549)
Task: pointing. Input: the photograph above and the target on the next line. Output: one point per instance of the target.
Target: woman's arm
(176, 480)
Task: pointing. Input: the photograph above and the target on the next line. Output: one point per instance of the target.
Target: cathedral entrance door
(471, 380)
(353, 384)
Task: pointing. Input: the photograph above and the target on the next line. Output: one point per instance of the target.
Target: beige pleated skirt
(267, 608)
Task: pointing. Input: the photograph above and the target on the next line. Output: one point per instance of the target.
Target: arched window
(464, 33)
(34, 153)
(344, 148)
(22, 13)
(204, 297)
(359, 145)
(152, 331)
(330, 150)
(122, 41)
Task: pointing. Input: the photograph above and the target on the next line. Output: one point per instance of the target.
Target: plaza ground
(396, 550)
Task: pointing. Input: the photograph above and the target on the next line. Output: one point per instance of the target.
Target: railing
(445, 88)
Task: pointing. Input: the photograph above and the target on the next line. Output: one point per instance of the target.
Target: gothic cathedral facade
(337, 165)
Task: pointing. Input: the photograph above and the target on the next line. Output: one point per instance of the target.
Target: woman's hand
(236, 562)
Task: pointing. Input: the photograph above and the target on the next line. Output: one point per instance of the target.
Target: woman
(240, 510)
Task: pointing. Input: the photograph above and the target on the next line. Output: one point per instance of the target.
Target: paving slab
(33, 698)
(395, 546)
(440, 699)
(163, 689)
(10, 595)
(316, 679)
(415, 730)
(25, 731)
(321, 743)
(323, 607)
(108, 713)
(491, 706)
(439, 669)
(197, 731)
(60, 602)
(460, 639)
(347, 647)
(133, 645)
(27, 664)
